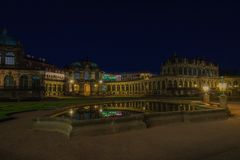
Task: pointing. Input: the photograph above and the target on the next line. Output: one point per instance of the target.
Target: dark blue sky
(131, 36)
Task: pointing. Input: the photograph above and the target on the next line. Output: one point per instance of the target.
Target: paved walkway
(213, 140)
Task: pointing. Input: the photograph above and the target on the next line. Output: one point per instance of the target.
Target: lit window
(8, 82)
(93, 75)
(36, 82)
(77, 75)
(86, 76)
(10, 59)
(23, 82)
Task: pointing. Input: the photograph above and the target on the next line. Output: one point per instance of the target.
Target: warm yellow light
(71, 112)
(100, 81)
(222, 86)
(71, 81)
(95, 85)
(205, 88)
(195, 85)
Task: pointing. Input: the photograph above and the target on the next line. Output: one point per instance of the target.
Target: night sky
(132, 36)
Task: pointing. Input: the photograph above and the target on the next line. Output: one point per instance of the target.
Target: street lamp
(206, 97)
(222, 88)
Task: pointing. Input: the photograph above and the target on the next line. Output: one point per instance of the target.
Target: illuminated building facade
(19, 77)
(24, 77)
(83, 78)
(179, 77)
(54, 82)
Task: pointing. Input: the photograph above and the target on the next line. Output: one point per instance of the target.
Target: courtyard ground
(212, 140)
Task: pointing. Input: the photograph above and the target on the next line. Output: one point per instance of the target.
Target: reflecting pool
(124, 109)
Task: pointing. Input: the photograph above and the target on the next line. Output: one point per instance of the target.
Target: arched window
(180, 71)
(123, 88)
(235, 84)
(195, 84)
(23, 82)
(86, 75)
(8, 82)
(150, 85)
(154, 85)
(180, 84)
(189, 71)
(35, 82)
(118, 87)
(10, 59)
(185, 71)
(127, 87)
(204, 72)
(174, 71)
(46, 87)
(163, 85)
(210, 73)
(77, 75)
(169, 71)
(113, 87)
(92, 76)
(199, 72)
(190, 84)
(169, 84)
(194, 72)
(59, 88)
(185, 84)
(175, 84)
(159, 85)
(54, 88)
(50, 88)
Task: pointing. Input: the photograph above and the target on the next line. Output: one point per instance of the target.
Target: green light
(111, 113)
(107, 77)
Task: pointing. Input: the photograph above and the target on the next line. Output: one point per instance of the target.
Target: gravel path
(213, 140)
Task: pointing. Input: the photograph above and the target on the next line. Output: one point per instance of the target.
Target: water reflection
(121, 109)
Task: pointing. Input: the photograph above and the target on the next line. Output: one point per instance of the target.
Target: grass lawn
(7, 108)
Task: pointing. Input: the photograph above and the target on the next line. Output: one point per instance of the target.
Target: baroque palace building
(179, 77)
(24, 77)
(83, 78)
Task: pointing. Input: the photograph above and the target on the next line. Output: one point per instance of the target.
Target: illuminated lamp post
(206, 97)
(222, 88)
